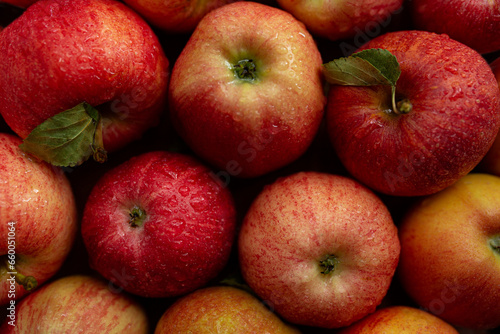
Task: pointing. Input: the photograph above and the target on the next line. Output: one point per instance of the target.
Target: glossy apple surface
(336, 20)
(400, 320)
(38, 218)
(450, 252)
(61, 53)
(453, 121)
(76, 304)
(221, 310)
(320, 249)
(474, 23)
(246, 92)
(159, 225)
(175, 16)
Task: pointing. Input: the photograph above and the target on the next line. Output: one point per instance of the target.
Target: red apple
(77, 304)
(221, 310)
(336, 20)
(450, 252)
(61, 53)
(159, 225)
(320, 249)
(175, 16)
(452, 117)
(400, 320)
(474, 23)
(38, 219)
(246, 92)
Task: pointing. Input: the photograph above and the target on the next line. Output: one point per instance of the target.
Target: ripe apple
(474, 23)
(450, 252)
(246, 92)
(159, 225)
(38, 220)
(221, 310)
(401, 320)
(60, 53)
(451, 119)
(320, 249)
(336, 20)
(175, 16)
(77, 304)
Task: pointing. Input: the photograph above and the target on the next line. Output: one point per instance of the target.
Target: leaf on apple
(68, 138)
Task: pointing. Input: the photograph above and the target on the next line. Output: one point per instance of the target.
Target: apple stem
(328, 264)
(28, 282)
(137, 217)
(403, 106)
(495, 243)
(245, 70)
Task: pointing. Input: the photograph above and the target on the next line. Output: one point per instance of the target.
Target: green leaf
(69, 138)
(365, 68)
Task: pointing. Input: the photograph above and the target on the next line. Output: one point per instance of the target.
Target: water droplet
(184, 190)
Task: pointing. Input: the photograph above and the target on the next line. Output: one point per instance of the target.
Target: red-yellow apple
(447, 119)
(246, 92)
(175, 16)
(159, 225)
(474, 23)
(450, 252)
(400, 320)
(334, 19)
(60, 53)
(221, 310)
(77, 304)
(320, 249)
(38, 220)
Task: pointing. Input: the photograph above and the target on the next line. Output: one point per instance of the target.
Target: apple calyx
(68, 138)
(28, 282)
(369, 67)
(495, 244)
(137, 217)
(245, 70)
(328, 264)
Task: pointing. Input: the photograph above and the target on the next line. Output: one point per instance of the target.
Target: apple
(76, 304)
(159, 225)
(38, 218)
(474, 23)
(20, 3)
(175, 16)
(450, 252)
(401, 320)
(221, 309)
(246, 92)
(336, 20)
(447, 119)
(320, 249)
(60, 53)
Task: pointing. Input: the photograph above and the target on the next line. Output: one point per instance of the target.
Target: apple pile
(227, 166)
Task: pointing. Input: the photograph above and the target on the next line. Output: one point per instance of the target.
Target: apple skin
(300, 220)
(54, 57)
(187, 234)
(175, 16)
(448, 262)
(243, 127)
(453, 123)
(221, 310)
(401, 320)
(77, 303)
(474, 23)
(336, 20)
(39, 199)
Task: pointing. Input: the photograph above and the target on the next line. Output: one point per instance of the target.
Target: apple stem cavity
(245, 70)
(328, 264)
(495, 243)
(28, 282)
(137, 217)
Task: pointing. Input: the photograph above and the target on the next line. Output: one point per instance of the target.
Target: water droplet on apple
(184, 190)
(172, 201)
(199, 204)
